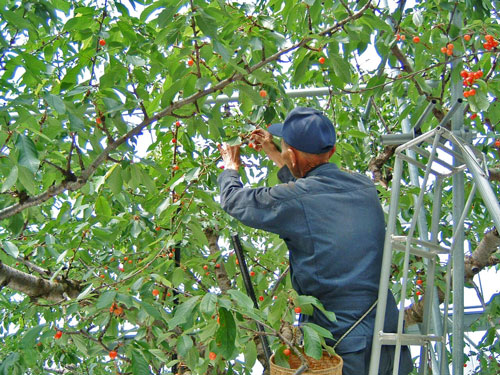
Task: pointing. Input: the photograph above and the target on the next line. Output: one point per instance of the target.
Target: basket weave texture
(327, 365)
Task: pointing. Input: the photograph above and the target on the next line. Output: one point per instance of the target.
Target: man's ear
(294, 157)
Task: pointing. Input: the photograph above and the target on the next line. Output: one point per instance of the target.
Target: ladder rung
(408, 339)
(433, 249)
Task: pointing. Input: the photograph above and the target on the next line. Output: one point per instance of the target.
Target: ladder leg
(386, 269)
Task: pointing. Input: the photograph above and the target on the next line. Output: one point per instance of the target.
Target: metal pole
(386, 267)
(249, 287)
(457, 124)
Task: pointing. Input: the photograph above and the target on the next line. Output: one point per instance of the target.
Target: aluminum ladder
(441, 154)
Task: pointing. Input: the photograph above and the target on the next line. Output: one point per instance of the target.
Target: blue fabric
(306, 129)
(333, 225)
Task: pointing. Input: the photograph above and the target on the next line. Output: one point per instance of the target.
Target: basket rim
(287, 371)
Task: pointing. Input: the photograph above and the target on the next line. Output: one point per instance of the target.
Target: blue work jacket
(333, 224)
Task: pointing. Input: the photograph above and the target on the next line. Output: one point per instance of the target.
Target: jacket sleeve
(261, 208)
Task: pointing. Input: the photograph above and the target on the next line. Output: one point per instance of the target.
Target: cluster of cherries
(490, 42)
(469, 79)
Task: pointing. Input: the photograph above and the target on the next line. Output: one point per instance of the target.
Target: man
(333, 225)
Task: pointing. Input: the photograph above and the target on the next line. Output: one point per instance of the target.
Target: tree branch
(37, 287)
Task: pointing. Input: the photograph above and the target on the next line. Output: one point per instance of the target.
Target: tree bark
(220, 272)
(38, 287)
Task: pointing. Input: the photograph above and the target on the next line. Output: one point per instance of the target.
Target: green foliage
(96, 195)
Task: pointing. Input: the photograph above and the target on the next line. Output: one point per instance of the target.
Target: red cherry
(403, 37)
(450, 46)
(261, 298)
(287, 352)
(467, 37)
(488, 37)
(398, 37)
(263, 93)
(416, 39)
(449, 52)
(419, 282)
(321, 60)
(464, 73)
(169, 294)
(113, 354)
(175, 167)
(190, 62)
(472, 92)
(487, 46)
(102, 276)
(155, 292)
(473, 116)
(497, 143)
(158, 229)
(98, 120)
(205, 267)
(217, 265)
(252, 273)
(58, 335)
(102, 42)
(444, 50)
(177, 123)
(174, 140)
(298, 310)
(419, 293)
(212, 356)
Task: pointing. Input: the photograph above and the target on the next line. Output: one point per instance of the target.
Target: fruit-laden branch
(37, 287)
(480, 259)
(168, 111)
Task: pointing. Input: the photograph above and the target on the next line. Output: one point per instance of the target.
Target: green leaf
(250, 354)
(28, 154)
(56, 103)
(105, 300)
(151, 310)
(102, 207)
(27, 180)
(85, 293)
(207, 304)
(139, 364)
(159, 354)
(221, 50)
(29, 338)
(183, 312)
(11, 249)
(184, 343)
(342, 68)
(163, 206)
(312, 342)
(241, 299)
(10, 180)
(226, 334)
(321, 331)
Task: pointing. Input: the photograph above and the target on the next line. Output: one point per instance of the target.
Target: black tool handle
(251, 293)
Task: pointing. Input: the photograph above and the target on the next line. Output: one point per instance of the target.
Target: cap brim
(276, 129)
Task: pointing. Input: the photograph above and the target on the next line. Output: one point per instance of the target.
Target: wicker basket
(327, 365)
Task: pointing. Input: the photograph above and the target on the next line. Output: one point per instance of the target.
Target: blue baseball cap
(307, 130)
